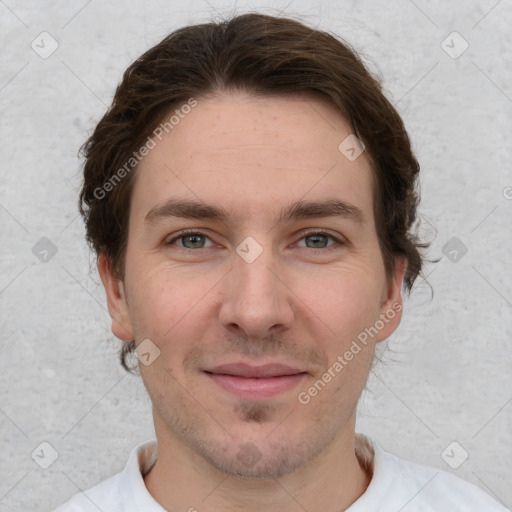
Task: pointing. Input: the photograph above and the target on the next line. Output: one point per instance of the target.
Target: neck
(182, 480)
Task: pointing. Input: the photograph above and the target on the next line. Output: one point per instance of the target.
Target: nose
(256, 300)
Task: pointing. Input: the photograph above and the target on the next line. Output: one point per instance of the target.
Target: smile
(256, 381)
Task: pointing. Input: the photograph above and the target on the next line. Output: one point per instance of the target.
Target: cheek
(167, 305)
(344, 299)
(150, 297)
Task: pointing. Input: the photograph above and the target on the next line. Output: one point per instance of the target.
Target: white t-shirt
(396, 485)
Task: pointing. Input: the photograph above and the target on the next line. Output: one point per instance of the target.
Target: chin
(268, 453)
(250, 462)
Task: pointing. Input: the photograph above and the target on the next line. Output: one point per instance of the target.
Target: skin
(298, 303)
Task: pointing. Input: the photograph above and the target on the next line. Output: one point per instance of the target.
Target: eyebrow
(191, 209)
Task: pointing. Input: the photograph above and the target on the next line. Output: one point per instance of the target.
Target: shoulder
(437, 490)
(400, 484)
(103, 496)
(122, 492)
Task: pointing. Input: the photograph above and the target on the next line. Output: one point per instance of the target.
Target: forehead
(251, 152)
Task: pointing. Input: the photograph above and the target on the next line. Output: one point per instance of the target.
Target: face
(255, 309)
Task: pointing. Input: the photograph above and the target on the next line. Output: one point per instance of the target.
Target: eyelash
(311, 232)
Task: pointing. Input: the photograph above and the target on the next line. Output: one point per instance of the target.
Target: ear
(391, 303)
(116, 300)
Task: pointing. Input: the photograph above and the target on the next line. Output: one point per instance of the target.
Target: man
(250, 195)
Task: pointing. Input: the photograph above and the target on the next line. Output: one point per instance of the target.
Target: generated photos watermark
(137, 156)
(304, 397)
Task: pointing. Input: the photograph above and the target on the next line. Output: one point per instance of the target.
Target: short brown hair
(261, 55)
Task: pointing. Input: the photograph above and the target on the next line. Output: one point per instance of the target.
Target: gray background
(446, 375)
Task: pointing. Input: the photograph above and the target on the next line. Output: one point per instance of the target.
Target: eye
(189, 240)
(315, 239)
(318, 239)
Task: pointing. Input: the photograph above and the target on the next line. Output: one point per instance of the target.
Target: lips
(255, 372)
(255, 382)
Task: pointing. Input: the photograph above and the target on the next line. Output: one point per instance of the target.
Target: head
(244, 132)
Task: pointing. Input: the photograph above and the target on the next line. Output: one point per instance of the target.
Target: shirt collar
(134, 492)
(132, 488)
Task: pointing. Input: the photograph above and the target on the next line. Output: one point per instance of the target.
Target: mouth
(255, 382)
